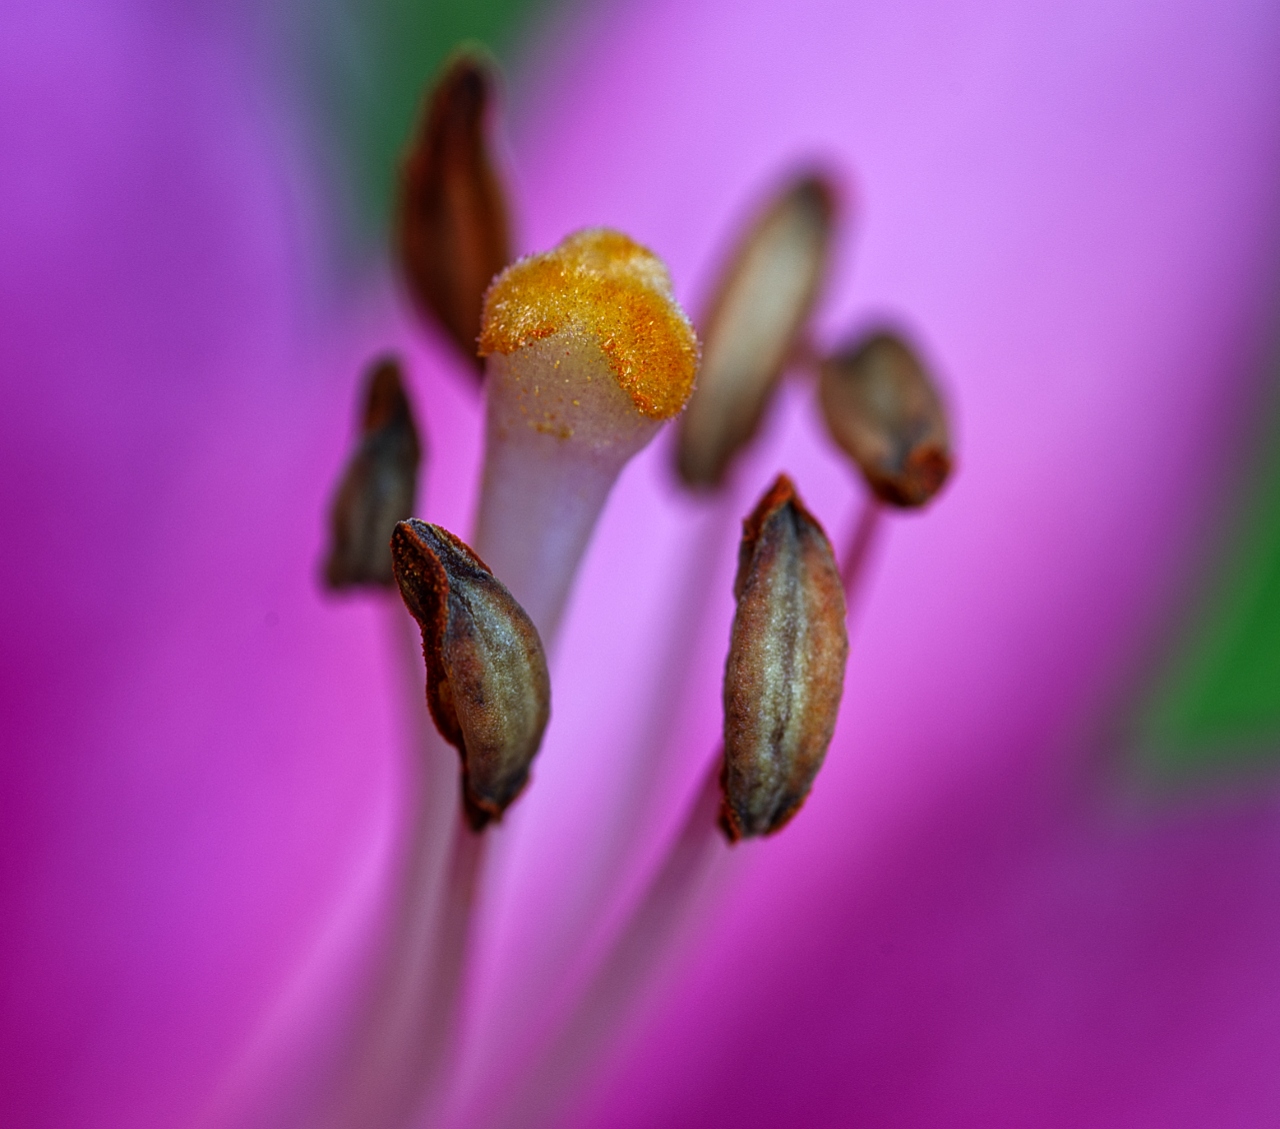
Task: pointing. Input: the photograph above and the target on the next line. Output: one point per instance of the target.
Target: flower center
(587, 355)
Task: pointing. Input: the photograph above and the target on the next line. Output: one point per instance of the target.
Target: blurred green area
(366, 64)
(1217, 706)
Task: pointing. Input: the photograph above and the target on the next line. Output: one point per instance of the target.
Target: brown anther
(452, 231)
(785, 673)
(757, 316)
(487, 683)
(378, 485)
(884, 410)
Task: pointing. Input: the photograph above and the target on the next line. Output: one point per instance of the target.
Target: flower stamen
(884, 410)
(452, 230)
(758, 314)
(378, 486)
(785, 673)
(487, 683)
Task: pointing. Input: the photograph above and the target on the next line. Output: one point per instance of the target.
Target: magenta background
(972, 923)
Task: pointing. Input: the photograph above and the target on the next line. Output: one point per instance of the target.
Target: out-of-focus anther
(452, 227)
(785, 673)
(487, 683)
(756, 320)
(378, 486)
(588, 355)
(883, 408)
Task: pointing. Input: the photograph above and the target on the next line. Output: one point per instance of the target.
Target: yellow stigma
(601, 284)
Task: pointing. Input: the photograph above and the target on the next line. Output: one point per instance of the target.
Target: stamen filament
(652, 751)
(668, 905)
(863, 536)
(422, 985)
(381, 1082)
(462, 883)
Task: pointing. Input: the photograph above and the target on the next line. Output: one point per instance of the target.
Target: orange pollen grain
(601, 283)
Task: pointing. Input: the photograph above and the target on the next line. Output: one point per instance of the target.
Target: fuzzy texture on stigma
(600, 285)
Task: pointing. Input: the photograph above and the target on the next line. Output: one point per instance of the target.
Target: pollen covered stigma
(602, 285)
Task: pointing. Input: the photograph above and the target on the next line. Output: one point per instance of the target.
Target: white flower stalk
(588, 355)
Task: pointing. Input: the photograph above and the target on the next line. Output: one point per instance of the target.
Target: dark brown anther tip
(378, 485)
(755, 324)
(487, 683)
(452, 230)
(784, 676)
(884, 410)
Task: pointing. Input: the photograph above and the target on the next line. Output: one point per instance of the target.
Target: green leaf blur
(1218, 705)
(368, 64)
